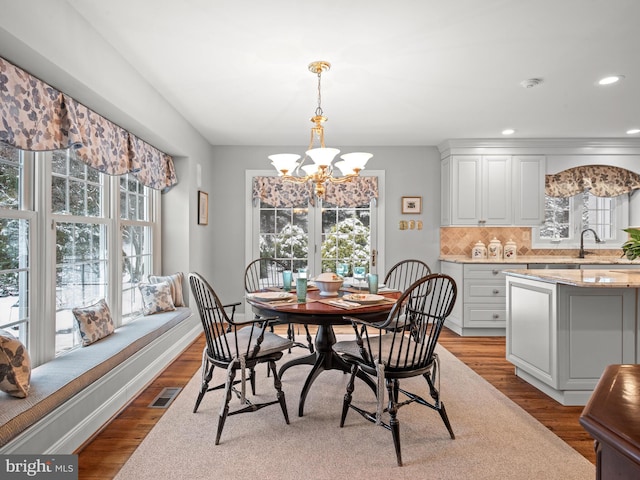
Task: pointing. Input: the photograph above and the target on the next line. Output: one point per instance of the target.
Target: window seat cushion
(56, 381)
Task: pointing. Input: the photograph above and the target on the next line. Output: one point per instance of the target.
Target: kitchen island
(564, 327)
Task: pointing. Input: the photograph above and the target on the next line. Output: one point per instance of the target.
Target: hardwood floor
(103, 457)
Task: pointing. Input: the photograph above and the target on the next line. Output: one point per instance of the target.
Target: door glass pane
(284, 235)
(346, 237)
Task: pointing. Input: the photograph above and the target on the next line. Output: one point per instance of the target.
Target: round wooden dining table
(317, 311)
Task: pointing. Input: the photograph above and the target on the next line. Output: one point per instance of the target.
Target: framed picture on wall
(411, 205)
(203, 208)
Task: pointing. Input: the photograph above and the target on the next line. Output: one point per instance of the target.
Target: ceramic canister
(494, 251)
(510, 250)
(479, 251)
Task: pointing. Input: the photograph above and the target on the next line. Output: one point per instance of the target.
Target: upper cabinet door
(496, 191)
(466, 199)
(528, 189)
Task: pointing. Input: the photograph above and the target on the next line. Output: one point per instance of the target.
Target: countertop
(583, 278)
(530, 259)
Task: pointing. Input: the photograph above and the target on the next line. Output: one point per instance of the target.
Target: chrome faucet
(582, 252)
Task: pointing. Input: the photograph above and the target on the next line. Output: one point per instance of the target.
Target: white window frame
(621, 221)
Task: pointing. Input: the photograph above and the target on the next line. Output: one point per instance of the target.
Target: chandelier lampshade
(321, 170)
(284, 162)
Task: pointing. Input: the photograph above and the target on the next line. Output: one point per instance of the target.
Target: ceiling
(407, 72)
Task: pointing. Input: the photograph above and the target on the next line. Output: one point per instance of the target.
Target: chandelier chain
(319, 109)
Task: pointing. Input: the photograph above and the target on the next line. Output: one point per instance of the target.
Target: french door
(316, 236)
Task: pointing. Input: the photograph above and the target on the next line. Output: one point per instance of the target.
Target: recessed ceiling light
(508, 131)
(633, 131)
(611, 79)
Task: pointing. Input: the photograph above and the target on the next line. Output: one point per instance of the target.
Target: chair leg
(252, 380)
(225, 409)
(291, 334)
(445, 419)
(206, 378)
(394, 423)
(278, 386)
(439, 406)
(349, 395)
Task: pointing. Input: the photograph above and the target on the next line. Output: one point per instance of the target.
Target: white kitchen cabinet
(492, 190)
(528, 189)
(480, 190)
(480, 306)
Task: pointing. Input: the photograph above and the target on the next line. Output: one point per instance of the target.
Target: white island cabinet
(564, 327)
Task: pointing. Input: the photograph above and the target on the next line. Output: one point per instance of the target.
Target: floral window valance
(279, 193)
(37, 117)
(599, 180)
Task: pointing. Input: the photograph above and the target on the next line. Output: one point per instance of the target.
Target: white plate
(363, 298)
(271, 296)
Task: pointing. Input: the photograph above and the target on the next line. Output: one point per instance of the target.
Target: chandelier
(320, 172)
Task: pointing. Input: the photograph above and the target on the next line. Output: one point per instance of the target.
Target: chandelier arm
(345, 179)
(291, 178)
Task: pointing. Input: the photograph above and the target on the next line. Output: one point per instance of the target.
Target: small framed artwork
(411, 205)
(203, 208)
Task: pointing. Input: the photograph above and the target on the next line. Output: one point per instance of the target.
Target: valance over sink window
(598, 180)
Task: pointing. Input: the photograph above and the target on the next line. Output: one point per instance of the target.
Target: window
(318, 237)
(81, 234)
(65, 245)
(137, 241)
(566, 217)
(15, 244)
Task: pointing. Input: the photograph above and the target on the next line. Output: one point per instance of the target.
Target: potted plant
(631, 248)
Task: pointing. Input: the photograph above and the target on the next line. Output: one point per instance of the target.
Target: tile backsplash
(460, 241)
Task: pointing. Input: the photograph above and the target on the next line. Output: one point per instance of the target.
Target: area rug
(495, 438)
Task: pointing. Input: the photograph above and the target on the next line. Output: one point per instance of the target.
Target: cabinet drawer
(484, 292)
(483, 315)
(489, 271)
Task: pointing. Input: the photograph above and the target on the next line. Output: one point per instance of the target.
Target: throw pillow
(94, 322)
(175, 281)
(156, 298)
(15, 366)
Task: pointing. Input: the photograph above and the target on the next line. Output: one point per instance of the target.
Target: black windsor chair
(241, 346)
(394, 355)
